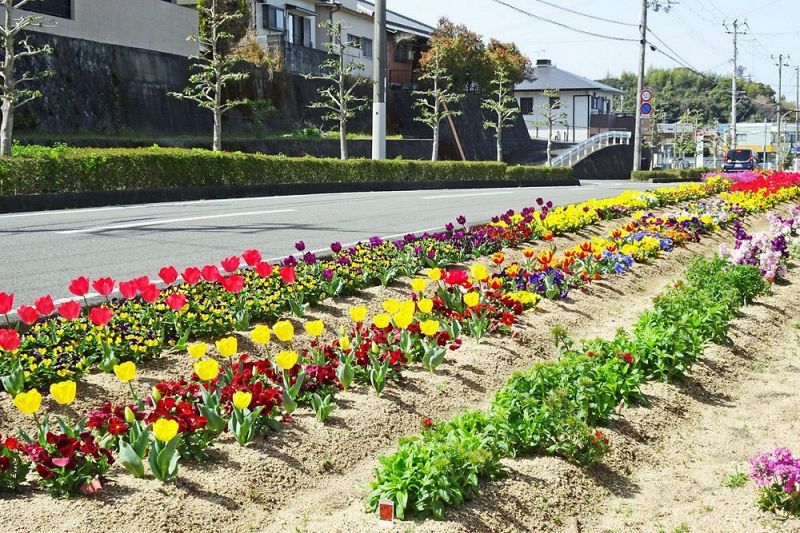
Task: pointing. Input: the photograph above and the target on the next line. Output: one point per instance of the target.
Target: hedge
(682, 174)
(95, 169)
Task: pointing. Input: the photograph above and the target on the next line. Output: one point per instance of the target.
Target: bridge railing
(594, 143)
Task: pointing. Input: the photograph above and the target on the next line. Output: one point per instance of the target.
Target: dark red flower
(234, 283)
(252, 257)
(288, 274)
(168, 275)
(117, 426)
(627, 357)
(230, 264)
(44, 305)
(151, 293)
(427, 422)
(264, 269)
(176, 302)
(103, 286)
(44, 472)
(28, 314)
(70, 310)
(5, 463)
(9, 340)
(191, 275)
(128, 289)
(79, 286)
(100, 316)
(210, 273)
(6, 302)
(508, 319)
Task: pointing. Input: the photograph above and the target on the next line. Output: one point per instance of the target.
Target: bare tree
(551, 116)
(433, 104)
(503, 105)
(339, 98)
(14, 94)
(215, 68)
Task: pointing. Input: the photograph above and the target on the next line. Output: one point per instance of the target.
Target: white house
(580, 98)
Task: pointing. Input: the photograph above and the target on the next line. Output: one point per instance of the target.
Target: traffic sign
(797, 149)
(646, 95)
(646, 108)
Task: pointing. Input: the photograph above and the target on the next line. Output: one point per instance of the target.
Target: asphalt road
(43, 251)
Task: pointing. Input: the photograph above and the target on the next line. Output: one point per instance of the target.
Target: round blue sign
(646, 108)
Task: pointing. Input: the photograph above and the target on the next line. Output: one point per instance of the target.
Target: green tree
(433, 101)
(339, 98)
(685, 143)
(461, 53)
(504, 106)
(507, 56)
(215, 68)
(550, 115)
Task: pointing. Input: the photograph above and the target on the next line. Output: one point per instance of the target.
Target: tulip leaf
(130, 459)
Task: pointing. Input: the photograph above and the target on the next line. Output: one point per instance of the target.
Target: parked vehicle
(738, 160)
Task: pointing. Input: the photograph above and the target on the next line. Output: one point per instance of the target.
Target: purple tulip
(300, 245)
(336, 247)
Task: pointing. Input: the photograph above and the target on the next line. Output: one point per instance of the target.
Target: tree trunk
(217, 142)
(549, 142)
(7, 128)
(9, 84)
(343, 137)
(500, 142)
(435, 154)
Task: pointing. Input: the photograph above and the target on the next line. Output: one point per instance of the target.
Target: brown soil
(314, 476)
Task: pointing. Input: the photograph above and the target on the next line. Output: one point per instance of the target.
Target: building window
(526, 105)
(353, 41)
(272, 18)
(300, 30)
(54, 8)
(555, 102)
(366, 47)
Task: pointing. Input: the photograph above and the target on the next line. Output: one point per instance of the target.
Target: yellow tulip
(28, 402)
(381, 320)
(425, 305)
(403, 320)
(407, 306)
(358, 313)
(64, 392)
(165, 429)
(419, 284)
(315, 328)
(125, 371)
(207, 369)
(344, 343)
(472, 299)
(429, 327)
(227, 347)
(284, 330)
(197, 350)
(260, 334)
(435, 274)
(391, 306)
(479, 272)
(286, 360)
(242, 399)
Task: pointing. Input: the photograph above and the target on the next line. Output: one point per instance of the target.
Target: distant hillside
(679, 89)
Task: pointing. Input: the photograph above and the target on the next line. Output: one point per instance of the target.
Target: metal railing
(594, 143)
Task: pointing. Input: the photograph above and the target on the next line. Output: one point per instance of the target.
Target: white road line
(467, 195)
(169, 221)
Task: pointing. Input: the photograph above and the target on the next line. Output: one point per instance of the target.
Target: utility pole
(734, 95)
(379, 76)
(797, 106)
(780, 64)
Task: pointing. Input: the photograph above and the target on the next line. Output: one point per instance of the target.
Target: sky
(693, 29)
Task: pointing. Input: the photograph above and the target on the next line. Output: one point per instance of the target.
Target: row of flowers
(248, 396)
(53, 343)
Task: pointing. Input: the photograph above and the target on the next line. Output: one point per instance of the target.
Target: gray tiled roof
(397, 22)
(552, 77)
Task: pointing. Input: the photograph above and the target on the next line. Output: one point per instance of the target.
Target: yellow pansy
(429, 327)
(242, 399)
(472, 299)
(391, 306)
(260, 334)
(419, 284)
(286, 359)
(284, 330)
(315, 328)
(479, 272)
(197, 350)
(28, 402)
(358, 313)
(165, 429)
(227, 347)
(402, 320)
(434, 274)
(125, 371)
(381, 320)
(425, 305)
(207, 369)
(64, 392)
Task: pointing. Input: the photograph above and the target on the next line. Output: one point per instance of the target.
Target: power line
(595, 17)
(562, 25)
(680, 60)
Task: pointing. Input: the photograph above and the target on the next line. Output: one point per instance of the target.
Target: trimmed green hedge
(682, 174)
(94, 169)
(559, 174)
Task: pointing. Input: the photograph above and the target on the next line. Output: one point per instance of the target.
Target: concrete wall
(613, 163)
(147, 24)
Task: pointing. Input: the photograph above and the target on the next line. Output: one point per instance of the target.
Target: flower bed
(777, 475)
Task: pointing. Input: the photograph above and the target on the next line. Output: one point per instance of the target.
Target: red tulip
(103, 286)
(79, 286)
(230, 264)
(128, 289)
(191, 275)
(28, 314)
(70, 310)
(264, 269)
(252, 257)
(168, 275)
(142, 282)
(233, 283)
(210, 273)
(44, 305)
(176, 302)
(455, 277)
(9, 339)
(100, 316)
(6, 302)
(288, 274)
(150, 293)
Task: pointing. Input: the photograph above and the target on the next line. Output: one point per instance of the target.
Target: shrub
(557, 174)
(682, 174)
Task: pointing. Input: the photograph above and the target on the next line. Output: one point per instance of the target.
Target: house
(582, 101)
(154, 25)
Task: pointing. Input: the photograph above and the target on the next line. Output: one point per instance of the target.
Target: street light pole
(379, 88)
(779, 142)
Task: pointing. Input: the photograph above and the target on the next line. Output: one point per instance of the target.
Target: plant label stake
(386, 512)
